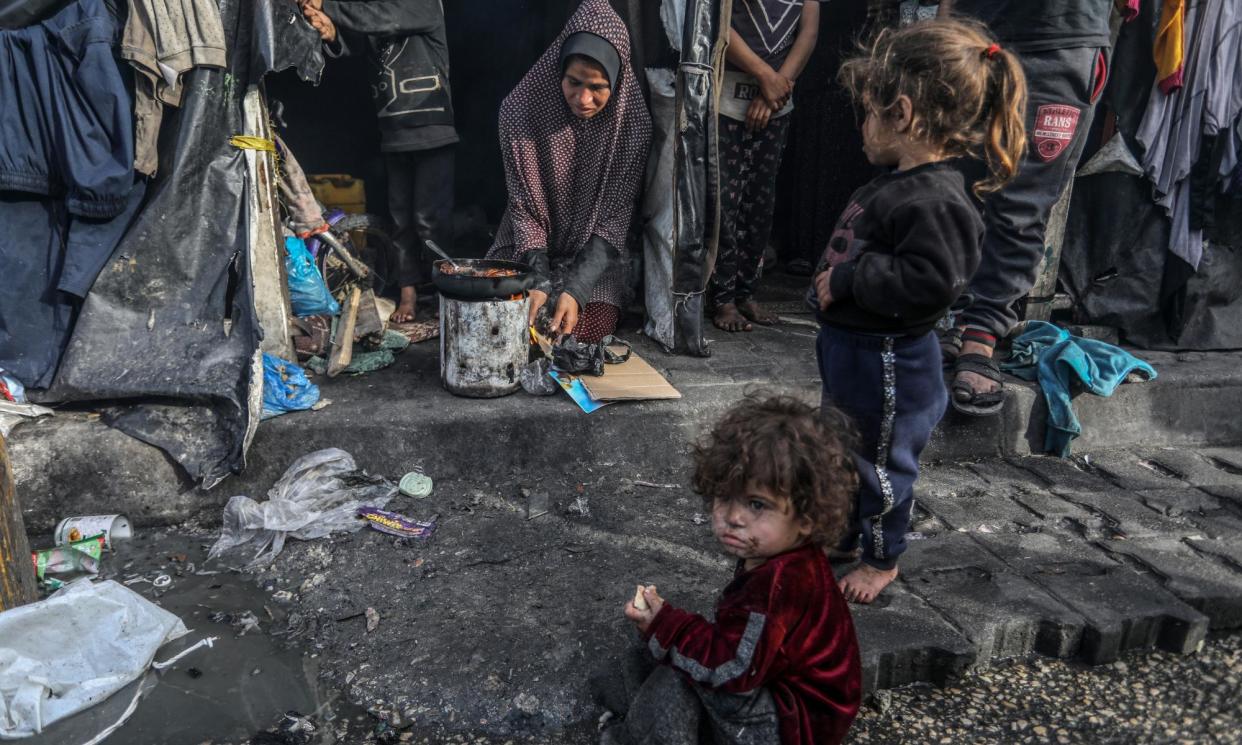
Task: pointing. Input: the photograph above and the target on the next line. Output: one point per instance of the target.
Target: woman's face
(585, 87)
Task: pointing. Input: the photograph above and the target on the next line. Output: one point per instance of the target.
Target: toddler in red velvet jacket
(780, 662)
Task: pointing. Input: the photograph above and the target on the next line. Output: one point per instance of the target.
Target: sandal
(977, 403)
(951, 345)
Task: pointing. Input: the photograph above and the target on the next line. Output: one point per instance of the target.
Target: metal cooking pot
(468, 287)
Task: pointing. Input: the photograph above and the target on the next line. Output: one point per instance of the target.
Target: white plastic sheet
(71, 651)
(319, 494)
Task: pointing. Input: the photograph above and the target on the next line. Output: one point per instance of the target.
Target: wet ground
(223, 694)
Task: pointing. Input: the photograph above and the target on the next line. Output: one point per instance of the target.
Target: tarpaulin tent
(167, 336)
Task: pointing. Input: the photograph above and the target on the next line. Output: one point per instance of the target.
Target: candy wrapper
(396, 524)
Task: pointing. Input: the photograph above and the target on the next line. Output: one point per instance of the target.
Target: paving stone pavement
(1083, 558)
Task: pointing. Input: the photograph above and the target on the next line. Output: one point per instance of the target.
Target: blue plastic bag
(285, 387)
(308, 294)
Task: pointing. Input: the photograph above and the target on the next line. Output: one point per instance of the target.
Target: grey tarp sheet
(695, 201)
(169, 330)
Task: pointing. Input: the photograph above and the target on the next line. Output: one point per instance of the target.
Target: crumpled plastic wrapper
(318, 495)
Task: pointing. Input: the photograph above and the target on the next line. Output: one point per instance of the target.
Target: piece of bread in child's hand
(640, 602)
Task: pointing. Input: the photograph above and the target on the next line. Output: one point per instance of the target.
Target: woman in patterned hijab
(574, 135)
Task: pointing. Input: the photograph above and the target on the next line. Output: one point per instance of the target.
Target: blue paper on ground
(1058, 359)
(577, 391)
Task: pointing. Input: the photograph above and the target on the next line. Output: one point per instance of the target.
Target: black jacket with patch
(409, 51)
(902, 252)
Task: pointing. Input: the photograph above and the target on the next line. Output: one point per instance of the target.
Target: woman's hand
(538, 299)
(823, 290)
(566, 317)
(757, 115)
(643, 618)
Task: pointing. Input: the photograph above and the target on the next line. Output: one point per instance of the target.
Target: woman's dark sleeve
(589, 265)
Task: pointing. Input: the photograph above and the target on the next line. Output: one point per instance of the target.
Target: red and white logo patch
(1054, 129)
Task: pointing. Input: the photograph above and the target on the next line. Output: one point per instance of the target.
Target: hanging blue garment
(66, 116)
(67, 187)
(1058, 360)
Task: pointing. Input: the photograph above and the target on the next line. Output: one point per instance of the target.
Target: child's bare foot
(405, 311)
(727, 318)
(865, 583)
(755, 312)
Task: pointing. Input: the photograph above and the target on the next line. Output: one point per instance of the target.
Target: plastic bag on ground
(319, 494)
(285, 387)
(71, 651)
(308, 294)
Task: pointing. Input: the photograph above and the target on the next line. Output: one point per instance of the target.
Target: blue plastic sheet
(285, 387)
(308, 294)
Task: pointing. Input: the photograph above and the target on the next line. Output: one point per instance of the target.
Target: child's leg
(666, 711)
(615, 682)
(763, 161)
(741, 718)
(724, 275)
(833, 394)
(894, 391)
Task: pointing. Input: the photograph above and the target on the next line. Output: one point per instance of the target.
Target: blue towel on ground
(1055, 357)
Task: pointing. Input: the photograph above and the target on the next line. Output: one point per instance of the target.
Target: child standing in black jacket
(406, 43)
(902, 252)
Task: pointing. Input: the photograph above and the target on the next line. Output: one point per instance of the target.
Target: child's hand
(316, 4)
(758, 114)
(822, 289)
(775, 88)
(643, 618)
(320, 22)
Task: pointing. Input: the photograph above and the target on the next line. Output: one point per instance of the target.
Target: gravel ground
(1145, 698)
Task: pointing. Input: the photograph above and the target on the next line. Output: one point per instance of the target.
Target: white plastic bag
(319, 494)
(71, 651)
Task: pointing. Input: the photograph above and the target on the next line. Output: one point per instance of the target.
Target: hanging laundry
(1169, 47)
(68, 145)
(1209, 102)
(162, 40)
(64, 112)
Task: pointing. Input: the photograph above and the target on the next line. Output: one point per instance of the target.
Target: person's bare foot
(406, 311)
(755, 312)
(865, 583)
(978, 384)
(727, 318)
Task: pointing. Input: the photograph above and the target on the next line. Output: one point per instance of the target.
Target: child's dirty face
(757, 524)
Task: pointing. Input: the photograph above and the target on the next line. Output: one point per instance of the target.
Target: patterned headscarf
(571, 178)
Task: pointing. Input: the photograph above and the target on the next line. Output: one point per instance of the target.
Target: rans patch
(1055, 125)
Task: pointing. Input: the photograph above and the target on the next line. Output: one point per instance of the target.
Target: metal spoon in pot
(440, 252)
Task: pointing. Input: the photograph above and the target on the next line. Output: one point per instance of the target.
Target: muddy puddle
(240, 686)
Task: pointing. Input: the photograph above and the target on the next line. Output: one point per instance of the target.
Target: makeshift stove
(484, 342)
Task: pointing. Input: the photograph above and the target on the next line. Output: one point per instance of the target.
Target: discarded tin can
(415, 484)
(112, 527)
(79, 557)
(395, 524)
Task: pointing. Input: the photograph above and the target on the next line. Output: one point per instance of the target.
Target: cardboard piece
(632, 380)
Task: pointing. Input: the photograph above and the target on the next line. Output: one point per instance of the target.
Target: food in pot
(471, 271)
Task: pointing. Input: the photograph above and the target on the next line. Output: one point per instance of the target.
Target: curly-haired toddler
(780, 661)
